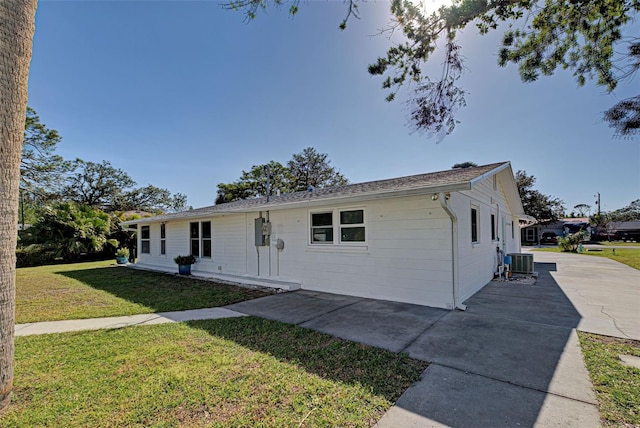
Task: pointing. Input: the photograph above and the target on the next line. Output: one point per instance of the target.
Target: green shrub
(122, 252)
(570, 243)
(185, 260)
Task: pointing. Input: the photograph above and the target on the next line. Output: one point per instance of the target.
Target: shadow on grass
(161, 292)
(385, 373)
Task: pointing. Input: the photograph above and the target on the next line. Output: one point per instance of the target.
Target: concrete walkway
(124, 321)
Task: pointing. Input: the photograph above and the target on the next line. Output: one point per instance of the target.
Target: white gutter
(454, 251)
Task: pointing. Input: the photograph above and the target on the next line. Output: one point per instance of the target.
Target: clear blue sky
(185, 95)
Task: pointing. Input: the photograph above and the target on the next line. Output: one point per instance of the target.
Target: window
(352, 226)
(145, 242)
(493, 227)
(347, 225)
(322, 228)
(194, 233)
(200, 236)
(474, 224)
(513, 231)
(206, 239)
(163, 240)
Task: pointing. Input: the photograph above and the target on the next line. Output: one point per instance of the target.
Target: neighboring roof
(624, 225)
(434, 182)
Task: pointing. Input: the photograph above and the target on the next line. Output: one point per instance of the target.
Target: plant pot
(122, 260)
(184, 269)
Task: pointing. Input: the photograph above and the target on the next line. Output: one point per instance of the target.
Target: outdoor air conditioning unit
(521, 263)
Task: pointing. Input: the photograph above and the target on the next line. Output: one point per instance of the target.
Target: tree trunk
(17, 25)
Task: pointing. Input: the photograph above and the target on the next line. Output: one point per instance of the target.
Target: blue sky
(185, 95)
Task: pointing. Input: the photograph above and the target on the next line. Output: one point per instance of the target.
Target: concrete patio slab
(604, 292)
(295, 307)
(383, 324)
(447, 397)
(522, 353)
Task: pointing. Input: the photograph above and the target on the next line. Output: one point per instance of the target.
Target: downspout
(454, 251)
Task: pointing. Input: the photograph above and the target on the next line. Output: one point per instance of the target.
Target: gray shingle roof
(453, 179)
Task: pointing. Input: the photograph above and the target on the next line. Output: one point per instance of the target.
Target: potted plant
(184, 264)
(122, 256)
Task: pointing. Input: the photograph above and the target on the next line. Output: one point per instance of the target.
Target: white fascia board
(496, 170)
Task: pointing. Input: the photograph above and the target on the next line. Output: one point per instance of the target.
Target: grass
(101, 289)
(619, 244)
(628, 256)
(230, 372)
(617, 386)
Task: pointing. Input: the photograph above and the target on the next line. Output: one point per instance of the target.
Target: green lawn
(101, 289)
(230, 372)
(617, 386)
(628, 256)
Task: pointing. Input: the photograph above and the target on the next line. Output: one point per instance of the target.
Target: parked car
(549, 238)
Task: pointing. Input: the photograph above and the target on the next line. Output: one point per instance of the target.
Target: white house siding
(177, 242)
(407, 256)
(478, 262)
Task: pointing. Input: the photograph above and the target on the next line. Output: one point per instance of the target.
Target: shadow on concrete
(510, 359)
(159, 291)
(385, 373)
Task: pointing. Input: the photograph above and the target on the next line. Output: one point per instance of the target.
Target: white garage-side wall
(176, 241)
(478, 261)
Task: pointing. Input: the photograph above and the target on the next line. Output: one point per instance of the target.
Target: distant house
(533, 234)
(624, 231)
(430, 239)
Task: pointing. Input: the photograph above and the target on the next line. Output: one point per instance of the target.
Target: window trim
(209, 239)
(337, 226)
(475, 230)
(494, 227)
(192, 238)
(146, 240)
(200, 239)
(163, 239)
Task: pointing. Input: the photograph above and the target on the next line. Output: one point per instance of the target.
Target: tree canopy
(540, 206)
(585, 36)
(307, 168)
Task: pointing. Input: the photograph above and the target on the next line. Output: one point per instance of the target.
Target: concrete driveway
(512, 358)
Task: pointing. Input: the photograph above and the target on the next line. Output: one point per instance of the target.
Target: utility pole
(598, 202)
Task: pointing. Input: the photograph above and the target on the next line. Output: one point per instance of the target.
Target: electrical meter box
(262, 231)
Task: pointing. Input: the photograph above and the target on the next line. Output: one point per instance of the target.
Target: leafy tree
(542, 207)
(17, 26)
(629, 213)
(464, 165)
(149, 198)
(66, 230)
(96, 184)
(310, 168)
(100, 185)
(40, 169)
(582, 209)
(584, 36)
(307, 168)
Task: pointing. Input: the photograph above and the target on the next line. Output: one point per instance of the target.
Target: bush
(185, 260)
(122, 252)
(570, 243)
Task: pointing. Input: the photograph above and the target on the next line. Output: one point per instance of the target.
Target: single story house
(532, 234)
(430, 239)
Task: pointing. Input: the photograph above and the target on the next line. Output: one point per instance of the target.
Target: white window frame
(163, 239)
(475, 208)
(200, 239)
(209, 239)
(146, 240)
(337, 227)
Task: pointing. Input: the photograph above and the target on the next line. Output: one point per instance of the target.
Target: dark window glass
(163, 247)
(322, 219)
(352, 217)
(146, 247)
(493, 227)
(352, 234)
(163, 232)
(144, 233)
(322, 234)
(195, 247)
(474, 225)
(206, 229)
(206, 248)
(194, 230)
